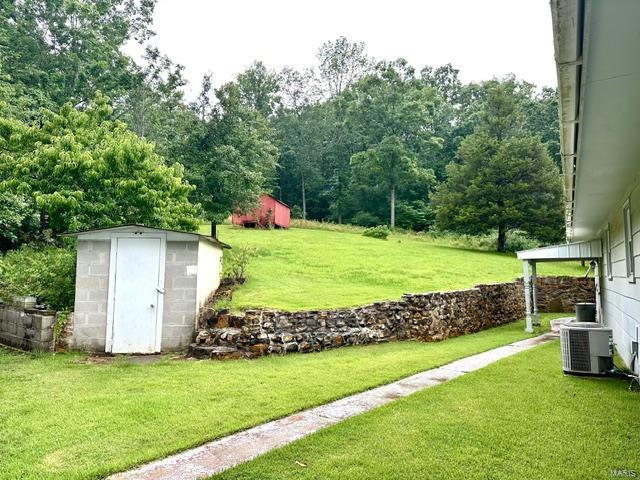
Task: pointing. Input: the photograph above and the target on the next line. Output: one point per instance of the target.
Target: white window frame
(607, 252)
(628, 242)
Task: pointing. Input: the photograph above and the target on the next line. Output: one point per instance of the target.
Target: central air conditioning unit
(587, 348)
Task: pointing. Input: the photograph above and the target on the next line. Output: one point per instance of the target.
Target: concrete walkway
(219, 455)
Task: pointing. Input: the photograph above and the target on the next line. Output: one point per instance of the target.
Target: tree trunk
(304, 201)
(392, 197)
(502, 238)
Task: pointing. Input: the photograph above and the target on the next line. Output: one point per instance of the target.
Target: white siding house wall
(209, 270)
(620, 296)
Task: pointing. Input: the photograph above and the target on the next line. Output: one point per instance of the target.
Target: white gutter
(568, 34)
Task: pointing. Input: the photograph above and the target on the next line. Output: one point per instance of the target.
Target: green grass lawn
(519, 418)
(63, 418)
(307, 269)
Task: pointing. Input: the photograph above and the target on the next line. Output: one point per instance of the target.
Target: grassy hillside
(305, 268)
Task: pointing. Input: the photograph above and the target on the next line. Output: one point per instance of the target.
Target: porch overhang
(588, 250)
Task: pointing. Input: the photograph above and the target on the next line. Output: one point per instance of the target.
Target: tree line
(89, 137)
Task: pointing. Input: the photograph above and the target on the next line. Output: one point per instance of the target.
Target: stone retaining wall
(430, 316)
(560, 294)
(28, 329)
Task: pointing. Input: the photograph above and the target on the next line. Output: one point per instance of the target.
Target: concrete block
(89, 334)
(89, 344)
(181, 307)
(88, 282)
(173, 295)
(177, 342)
(20, 331)
(82, 295)
(82, 269)
(174, 270)
(189, 294)
(43, 335)
(101, 269)
(41, 322)
(80, 318)
(183, 282)
(179, 319)
(37, 345)
(96, 319)
(85, 307)
(185, 256)
(174, 319)
(98, 295)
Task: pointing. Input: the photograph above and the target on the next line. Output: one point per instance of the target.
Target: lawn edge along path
(224, 453)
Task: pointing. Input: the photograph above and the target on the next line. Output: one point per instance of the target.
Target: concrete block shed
(139, 289)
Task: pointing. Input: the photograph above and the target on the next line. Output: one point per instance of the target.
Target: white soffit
(607, 114)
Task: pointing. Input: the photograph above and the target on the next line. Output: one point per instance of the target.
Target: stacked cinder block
(178, 324)
(92, 281)
(28, 329)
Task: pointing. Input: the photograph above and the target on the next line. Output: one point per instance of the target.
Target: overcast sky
(482, 38)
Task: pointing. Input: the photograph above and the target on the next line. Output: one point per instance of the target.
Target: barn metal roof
(182, 234)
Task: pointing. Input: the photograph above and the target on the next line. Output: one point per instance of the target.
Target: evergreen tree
(506, 179)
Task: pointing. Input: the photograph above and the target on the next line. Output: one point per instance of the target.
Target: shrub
(330, 226)
(18, 221)
(365, 219)
(296, 212)
(417, 215)
(381, 232)
(236, 261)
(518, 240)
(47, 273)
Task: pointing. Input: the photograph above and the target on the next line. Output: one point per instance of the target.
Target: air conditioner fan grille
(579, 348)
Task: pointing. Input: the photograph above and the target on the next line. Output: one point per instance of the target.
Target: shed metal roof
(180, 235)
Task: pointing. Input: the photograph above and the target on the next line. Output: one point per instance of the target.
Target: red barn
(271, 213)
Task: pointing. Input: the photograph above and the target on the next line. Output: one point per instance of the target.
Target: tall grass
(516, 240)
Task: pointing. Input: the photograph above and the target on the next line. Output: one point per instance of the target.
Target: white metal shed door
(135, 307)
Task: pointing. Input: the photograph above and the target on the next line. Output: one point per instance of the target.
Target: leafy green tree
(302, 127)
(506, 180)
(259, 89)
(59, 51)
(230, 158)
(392, 113)
(82, 170)
(541, 118)
(341, 64)
(389, 162)
(302, 133)
(18, 221)
(153, 107)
